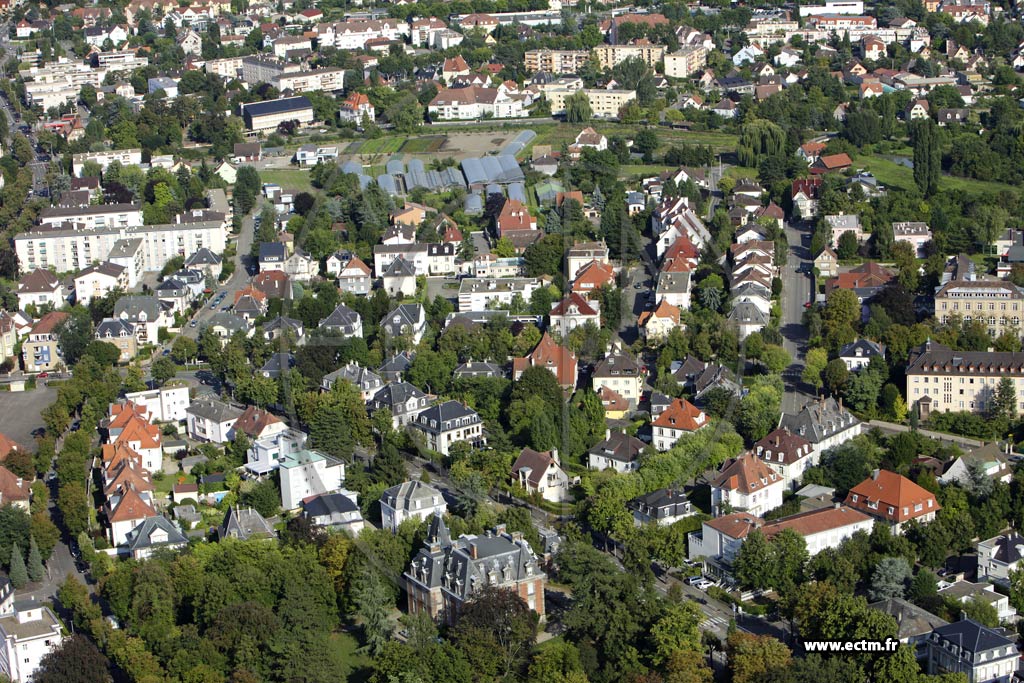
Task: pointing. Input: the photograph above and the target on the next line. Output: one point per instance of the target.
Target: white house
(745, 483)
(823, 528)
(720, 538)
(786, 453)
(541, 473)
(410, 500)
(39, 288)
(444, 424)
(210, 419)
(166, 404)
(1000, 555)
(308, 473)
(681, 417)
(29, 631)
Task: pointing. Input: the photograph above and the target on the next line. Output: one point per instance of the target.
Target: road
(796, 292)
(961, 441)
(238, 280)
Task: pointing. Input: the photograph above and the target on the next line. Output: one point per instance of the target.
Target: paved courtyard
(19, 413)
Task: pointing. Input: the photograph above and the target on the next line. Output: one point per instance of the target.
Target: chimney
(607, 434)
(837, 505)
(874, 474)
(472, 550)
(554, 455)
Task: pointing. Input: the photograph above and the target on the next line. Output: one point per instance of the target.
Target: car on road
(703, 584)
(193, 323)
(807, 304)
(694, 580)
(638, 285)
(166, 352)
(226, 307)
(42, 375)
(1016, 458)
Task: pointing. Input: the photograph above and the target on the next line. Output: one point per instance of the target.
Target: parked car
(694, 580)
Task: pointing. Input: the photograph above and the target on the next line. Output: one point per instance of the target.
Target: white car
(704, 584)
(694, 580)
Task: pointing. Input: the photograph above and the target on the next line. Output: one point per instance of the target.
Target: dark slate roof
(866, 347)
(398, 363)
(659, 499)
(114, 327)
(818, 419)
(272, 251)
(911, 620)
(278, 364)
(133, 306)
(281, 323)
(989, 363)
(141, 536)
(478, 369)
(214, 409)
(440, 416)
(277, 106)
(972, 636)
(402, 496)
(356, 374)
(203, 256)
(330, 504)
(396, 394)
(1008, 548)
(245, 523)
(341, 317)
(400, 268)
(619, 446)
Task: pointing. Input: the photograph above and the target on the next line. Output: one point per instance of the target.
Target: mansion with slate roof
(446, 573)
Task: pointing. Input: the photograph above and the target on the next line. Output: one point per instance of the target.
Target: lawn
(164, 484)
(384, 145)
(643, 170)
(290, 178)
(357, 664)
(558, 134)
(892, 174)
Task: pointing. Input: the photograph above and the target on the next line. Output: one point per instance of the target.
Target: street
(796, 292)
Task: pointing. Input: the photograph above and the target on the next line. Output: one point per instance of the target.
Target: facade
(267, 116)
(404, 400)
(621, 373)
(603, 103)
(824, 423)
(720, 539)
(686, 61)
(446, 573)
(999, 556)
(444, 424)
(40, 352)
(967, 647)
(680, 418)
(166, 404)
(211, 420)
(823, 528)
(858, 354)
(942, 380)
(746, 484)
(29, 632)
(478, 294)
(40, 288)
(619, 451)
(338, 511)
(661, 507)
(649, 53)
(541, 473)
(556, 61)
(998, 304)
(95, 282)
(893, 499)
(786, 453)
(308, 473)
(410, 500)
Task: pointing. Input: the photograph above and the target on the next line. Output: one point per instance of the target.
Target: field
(384, 145)
(558, 134)
(289, 179)
(892, 174)
(426, 145)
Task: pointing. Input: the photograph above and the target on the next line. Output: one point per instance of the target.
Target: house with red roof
(831, 163)
(657, 324)
(679, 419)
(805, 197)
(571, 312)
(514, 217)
(453, 67)
(592, 277)
(126, 511)
(721, 538)
(560, 361)
(748, 484)
(144, 438)
(355, 107)
(540, 473)
(257, 423)
(893, 499)
(14, 490)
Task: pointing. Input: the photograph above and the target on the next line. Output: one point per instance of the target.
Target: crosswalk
(715, 623)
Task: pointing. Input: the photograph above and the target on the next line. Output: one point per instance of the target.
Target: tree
(835, 376)
(677, 631)
(753, 657)
(848, 245)
(264, 497)
(1004, 403)
(890, 578)
(982, 612)
(184, 348)
(36, 571)
(373, 602)
(814, 364)
(74, 507)
(75, 660)
(577, 108)
(18, 573)
(163, 369)
(496, 630)
(557, 663)
(927, 157)
(405, 114)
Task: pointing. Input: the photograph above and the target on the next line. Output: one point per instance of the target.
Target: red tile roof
(745, 474)
(12, 487)
(131, 507)
(253, 421)
(683, 415)
(884, 490)
(564, 306)
(548, 354)
(538, 462)
(663, 310)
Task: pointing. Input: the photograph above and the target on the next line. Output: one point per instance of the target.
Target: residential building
(444, 424)
(357, 107)
(915, 233)
(845, 223)
(41, 351)
(720, 539)
(966, 647)
(685, 62)
(153, 534)
(827, 262)
(209, 419)
(127, 157)
(14, 490)
(541, 474)
(365, 381)
(556, 61)
(573, 311)
(649, 53)
(343, 321)
(29, 632)
(125, 513)
(583, 254)
(619, 451)
(478, 294)
(746, 484)
(408, 321)
(40, 288)
(964, 592)
(169, 403)
(786, 453)
(353, 274)
(661, 507)
(121, 334)
(604, 103)
(858, 354)
(1000, 555)
(146, 316)
(621, 373)
(410, 500)
(560, 361)
(475, 102)
(308, 473)
(245, 524)
(997, 304)
(823, 528)
(679, 419)
(446, 573)
(988, 461)
(893, 499)
(942, 380)
(914, 625)
(657, 324)
(404, 400)
(824, 423)
(336, 511)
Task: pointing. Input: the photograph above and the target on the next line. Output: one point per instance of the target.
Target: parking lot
(19, 413)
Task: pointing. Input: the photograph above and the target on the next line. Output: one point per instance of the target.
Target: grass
(169, 481)
(357, 664)
(290, 179)
(558, 134)
(892, 174)
(388, 144)
(645, 170)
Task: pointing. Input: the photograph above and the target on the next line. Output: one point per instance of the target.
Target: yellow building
(603, 103)
(610, 55)
(942, 380)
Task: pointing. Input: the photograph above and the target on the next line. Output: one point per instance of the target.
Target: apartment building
(126, 157)
(942, 380)
(41, 351)
(306, 81)
(556, 61)
(687, 61)
(610, 55)
(354, 34)
(89, 217)
(478, 294)
(65, 250)
(264, 116)
(603, 103)
(120, 60)
(998, 304)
